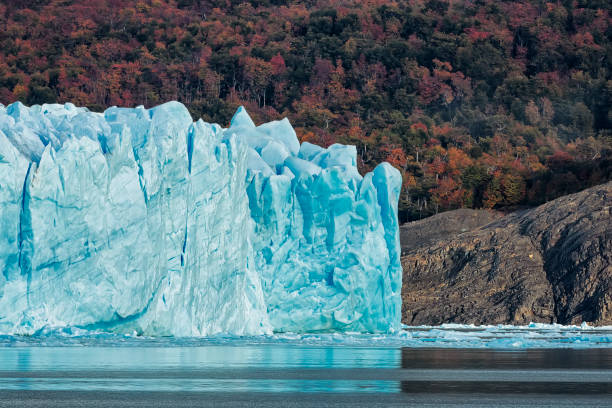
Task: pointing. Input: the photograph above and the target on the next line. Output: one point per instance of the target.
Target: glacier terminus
(141, 220)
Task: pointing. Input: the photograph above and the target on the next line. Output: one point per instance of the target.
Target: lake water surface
(530, 366)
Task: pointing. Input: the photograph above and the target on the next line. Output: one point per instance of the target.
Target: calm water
(98, 372)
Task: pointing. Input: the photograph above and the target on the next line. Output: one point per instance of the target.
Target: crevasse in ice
(141, 220)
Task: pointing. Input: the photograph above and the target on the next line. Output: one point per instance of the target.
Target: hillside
(550, 264)
(480, 104)
(443, 226)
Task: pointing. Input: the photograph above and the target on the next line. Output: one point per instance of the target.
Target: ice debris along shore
(141, 220)
(450, 335)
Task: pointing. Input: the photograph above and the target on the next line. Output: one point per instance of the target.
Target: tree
(493, 195)
(467, 97)
(513, 188)
(257, 74)
(532, 113)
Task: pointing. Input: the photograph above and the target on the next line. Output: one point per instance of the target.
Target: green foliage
(479, 103)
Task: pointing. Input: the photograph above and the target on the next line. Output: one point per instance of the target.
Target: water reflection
(189, 358)
(23, 364)
(203, 385)
(504, 359)
(505, 387)
(309, 369)
(539, 371)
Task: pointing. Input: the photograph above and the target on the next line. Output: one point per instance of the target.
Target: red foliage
(476, 35)
(469, 101)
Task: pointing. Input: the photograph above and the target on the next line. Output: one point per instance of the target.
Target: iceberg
(141, 220)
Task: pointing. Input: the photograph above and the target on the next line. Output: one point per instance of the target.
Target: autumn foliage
(479, 103)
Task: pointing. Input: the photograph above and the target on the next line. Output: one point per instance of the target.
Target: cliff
(547, 264)
(143, 220)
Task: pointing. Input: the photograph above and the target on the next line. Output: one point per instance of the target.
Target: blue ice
(140, 220)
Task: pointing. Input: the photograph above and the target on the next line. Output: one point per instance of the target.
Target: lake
(535, 365)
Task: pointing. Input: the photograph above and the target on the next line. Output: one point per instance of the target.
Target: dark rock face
(547, 264)
(441, 226)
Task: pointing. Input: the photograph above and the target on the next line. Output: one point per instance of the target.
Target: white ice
(142, 220)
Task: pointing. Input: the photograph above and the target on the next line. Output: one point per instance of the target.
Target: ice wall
(142, 220)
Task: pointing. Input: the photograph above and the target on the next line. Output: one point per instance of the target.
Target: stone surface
(444, 225)
(547, 264)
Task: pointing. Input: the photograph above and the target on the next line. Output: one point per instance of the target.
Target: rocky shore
(548, 264)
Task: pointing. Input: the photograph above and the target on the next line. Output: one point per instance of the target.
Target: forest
(479, 103)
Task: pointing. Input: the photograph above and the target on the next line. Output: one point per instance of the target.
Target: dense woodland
(479, 103)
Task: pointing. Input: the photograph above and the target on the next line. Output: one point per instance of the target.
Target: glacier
(142, 221)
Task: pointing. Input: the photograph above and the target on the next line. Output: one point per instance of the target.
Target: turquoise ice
(140, 220)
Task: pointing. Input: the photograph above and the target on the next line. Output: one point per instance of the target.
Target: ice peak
(242, 118)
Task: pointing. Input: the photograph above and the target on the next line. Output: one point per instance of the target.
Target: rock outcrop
(441, 226)
(548, 264)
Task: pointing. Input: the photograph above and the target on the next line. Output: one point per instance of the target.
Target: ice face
(141, 220)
